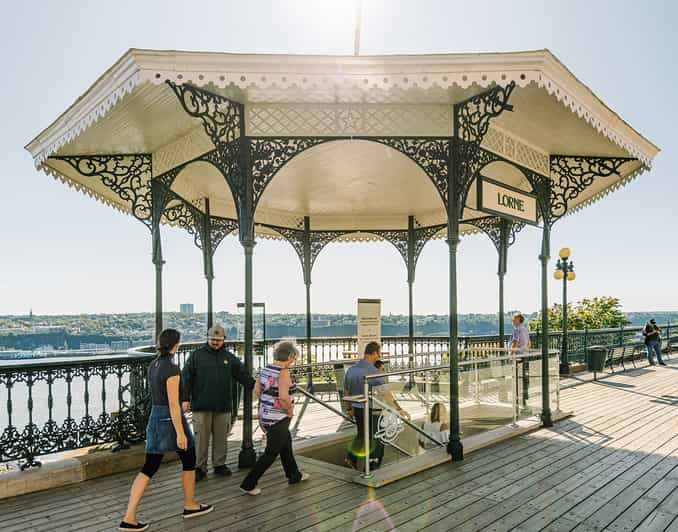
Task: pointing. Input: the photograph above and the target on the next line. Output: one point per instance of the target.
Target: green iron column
(157, 200)
(544, 257)
(247, 456)
(208, 262)
(410, 283)
(454, 446)
(501, 272)
(306, 264)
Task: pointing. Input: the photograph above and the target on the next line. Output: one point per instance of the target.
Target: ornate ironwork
(471, 122)
(222, 118)
(474, 114)
(269, 154)
(220, 228)
(185, 215)
(430, 153)
(571, 175)
(421, 236)
(491, 226)
(79, 419)
(127, 175)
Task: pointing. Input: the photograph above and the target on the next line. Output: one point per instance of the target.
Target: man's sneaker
(200, 474)
(254, 491)
(662, 363)
(130, 526)
(302, 478)
(222, 471)
(204, 509)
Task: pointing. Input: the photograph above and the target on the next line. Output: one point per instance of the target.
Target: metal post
(366, 428)
(454, 446)
(208, 260)
(410, 283)
(306, 263)
(501, 272)
(514, 388)
(158, 262)
(564, 357)
(544, 258)
(247, 455)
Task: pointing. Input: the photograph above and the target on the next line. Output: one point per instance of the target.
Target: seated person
(438, 426)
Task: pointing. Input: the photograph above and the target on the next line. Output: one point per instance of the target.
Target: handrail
(406, 421)
(325, 404)
(471, 362)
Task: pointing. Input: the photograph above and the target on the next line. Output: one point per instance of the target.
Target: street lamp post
(565, 272)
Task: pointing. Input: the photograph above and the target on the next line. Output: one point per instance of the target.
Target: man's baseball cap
(216, 333)
(653, 322)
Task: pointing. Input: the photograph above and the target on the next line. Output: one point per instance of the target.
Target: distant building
(186, 308)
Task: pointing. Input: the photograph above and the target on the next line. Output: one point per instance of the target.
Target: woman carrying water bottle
(167, 431)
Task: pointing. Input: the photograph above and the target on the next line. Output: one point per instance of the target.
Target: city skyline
(71, 255)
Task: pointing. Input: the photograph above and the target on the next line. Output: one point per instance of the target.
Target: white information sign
(505, 201)
(369, 323)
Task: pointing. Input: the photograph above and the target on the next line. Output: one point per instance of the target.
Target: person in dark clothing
(210, 391)
(653, 342)
(166, 431)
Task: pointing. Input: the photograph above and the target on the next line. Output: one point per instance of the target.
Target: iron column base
(564, 368)
(546, 419)
(456, 450)
(247, 458)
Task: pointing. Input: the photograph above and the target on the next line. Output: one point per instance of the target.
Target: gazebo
(316, 149)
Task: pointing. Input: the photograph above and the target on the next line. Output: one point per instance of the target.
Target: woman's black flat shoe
(204, 509)
(129, 526)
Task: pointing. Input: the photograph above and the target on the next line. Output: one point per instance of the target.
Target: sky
(64, 253)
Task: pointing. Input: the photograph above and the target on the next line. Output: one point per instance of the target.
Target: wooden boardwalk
(613, 466)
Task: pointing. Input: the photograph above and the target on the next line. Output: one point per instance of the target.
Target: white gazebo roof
(349, 183)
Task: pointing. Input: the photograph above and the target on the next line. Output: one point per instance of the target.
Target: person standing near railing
(210, 391)
(653, 342)
(166, 431)
(520, 339)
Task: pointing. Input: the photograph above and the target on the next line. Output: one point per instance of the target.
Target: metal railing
(54, 405)
(59, 405)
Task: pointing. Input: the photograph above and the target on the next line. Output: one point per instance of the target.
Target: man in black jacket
(209, 389)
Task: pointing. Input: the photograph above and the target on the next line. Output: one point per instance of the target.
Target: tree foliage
(595, 313)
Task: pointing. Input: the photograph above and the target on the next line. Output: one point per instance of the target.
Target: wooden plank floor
(613, 466)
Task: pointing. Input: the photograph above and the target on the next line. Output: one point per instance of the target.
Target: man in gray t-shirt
(354, 384)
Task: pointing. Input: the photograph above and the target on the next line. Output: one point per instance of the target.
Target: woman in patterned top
(274, 388)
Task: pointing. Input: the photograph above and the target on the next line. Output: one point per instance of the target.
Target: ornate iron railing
(56, 405)
(59, 405)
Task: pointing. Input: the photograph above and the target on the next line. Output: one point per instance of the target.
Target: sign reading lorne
(505, 201)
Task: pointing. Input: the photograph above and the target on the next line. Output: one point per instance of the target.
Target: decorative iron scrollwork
(397, 237)
(571, 175)
(471, 122)
(269, 154)
(421, 236)
(491, 226)
(474, 114)
(222, 118)
(220, 228)
(181, 213)
(431, 154)
(128, 176)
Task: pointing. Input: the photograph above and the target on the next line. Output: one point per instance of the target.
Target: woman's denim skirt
(160, 434)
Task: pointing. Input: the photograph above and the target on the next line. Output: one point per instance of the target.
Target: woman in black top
(167, 431)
